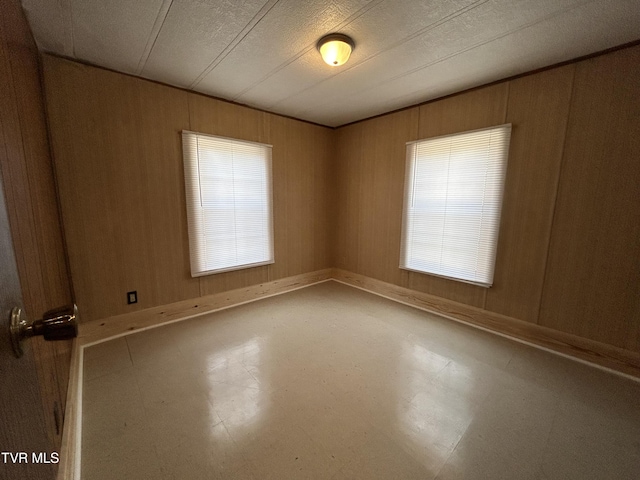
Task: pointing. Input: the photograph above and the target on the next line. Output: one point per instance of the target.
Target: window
(453, 198)
(229, 207)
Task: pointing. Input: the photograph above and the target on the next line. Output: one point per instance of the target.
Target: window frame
(410, 183)
(194, 208)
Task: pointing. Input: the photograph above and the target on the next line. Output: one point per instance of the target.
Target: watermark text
(34, 457)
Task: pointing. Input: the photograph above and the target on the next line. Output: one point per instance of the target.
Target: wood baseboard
(69, 466)
(599, 354)
(99, 330)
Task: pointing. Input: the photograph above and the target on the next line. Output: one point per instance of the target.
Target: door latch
(57, 324)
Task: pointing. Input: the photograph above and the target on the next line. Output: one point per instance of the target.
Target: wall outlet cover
(132, 297)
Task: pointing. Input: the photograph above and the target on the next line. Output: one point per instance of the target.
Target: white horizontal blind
(453, 200)
(229, 203)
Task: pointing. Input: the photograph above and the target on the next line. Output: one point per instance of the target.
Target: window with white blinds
(229, 203)
(452, 204)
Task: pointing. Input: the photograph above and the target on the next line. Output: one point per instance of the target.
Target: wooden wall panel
(370, 172)
(568, 248)
(215, 117)
(338, 194)
(31, 203)
(348, 163)
(381, 193)
(160, 116)
(117, 148)
(301, 161)
(302, 181)
(538, 110)
(480, 108)
(592, 285)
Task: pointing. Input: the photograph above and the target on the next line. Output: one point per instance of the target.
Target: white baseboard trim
(601, 356)
(604, 357)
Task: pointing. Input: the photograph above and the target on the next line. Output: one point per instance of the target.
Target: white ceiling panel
(516, 53)
(291, 29)
(509, 55)
(195, 34)
(52, 20)
(262, 52)
(113, 33)
(474, 27)
(383, 27)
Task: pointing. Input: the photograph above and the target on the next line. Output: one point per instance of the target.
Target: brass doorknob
(57, 324)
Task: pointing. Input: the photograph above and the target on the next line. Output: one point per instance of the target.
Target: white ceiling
(262, 52)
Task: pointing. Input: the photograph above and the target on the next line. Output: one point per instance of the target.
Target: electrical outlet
(132, 297)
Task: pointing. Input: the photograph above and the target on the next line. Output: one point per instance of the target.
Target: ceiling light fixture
(335, 48)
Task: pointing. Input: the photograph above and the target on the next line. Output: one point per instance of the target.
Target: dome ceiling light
(335, 48)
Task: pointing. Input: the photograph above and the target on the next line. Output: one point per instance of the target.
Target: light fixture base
(335, 48)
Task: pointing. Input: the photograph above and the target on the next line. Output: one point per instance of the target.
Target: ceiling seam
(311, 46)
(416, 34)
(493, 39)
(161, 17)
(447, 57)
(266, 8)
(477, 45)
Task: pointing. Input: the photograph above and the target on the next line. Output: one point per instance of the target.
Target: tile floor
(330, 382)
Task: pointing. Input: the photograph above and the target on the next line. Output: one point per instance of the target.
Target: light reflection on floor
(332, 382)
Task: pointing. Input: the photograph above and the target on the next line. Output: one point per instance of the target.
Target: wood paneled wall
(538, 111)
(32, 206)
(117, 149)
(370, 174)
(592, 283)
(568, 250)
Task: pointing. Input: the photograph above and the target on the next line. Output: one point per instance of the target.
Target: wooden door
(25, 451)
